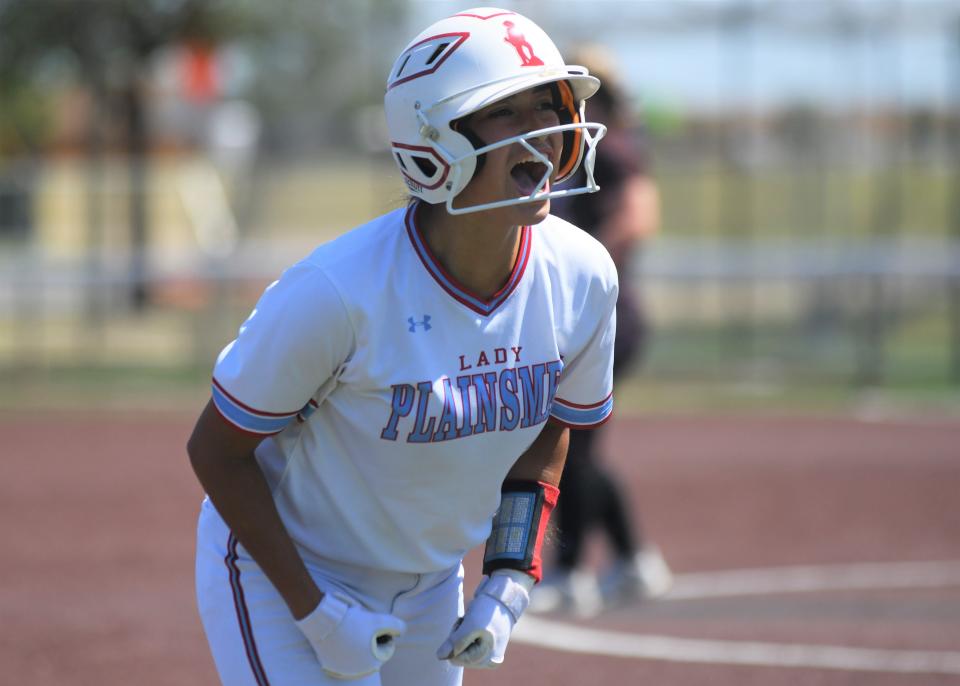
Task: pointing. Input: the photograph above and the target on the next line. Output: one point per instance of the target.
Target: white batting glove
(349, 640)
(479, 638)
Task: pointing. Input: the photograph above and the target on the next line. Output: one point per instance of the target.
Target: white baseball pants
(255, 642)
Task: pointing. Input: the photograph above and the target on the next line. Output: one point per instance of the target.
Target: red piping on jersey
(577, 406)
(431, 263)
(252, 410)
(300, 417)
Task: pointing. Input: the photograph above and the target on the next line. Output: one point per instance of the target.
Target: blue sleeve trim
(582, 415)
(247, 418)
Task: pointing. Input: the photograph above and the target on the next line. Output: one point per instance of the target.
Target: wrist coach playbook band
(519, 526)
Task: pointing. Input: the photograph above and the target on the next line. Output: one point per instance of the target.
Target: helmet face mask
(461, 65)
(538, 193)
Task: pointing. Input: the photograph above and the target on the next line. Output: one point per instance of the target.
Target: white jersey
(396, 402)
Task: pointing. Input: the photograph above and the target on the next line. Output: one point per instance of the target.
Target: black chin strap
(475, 141)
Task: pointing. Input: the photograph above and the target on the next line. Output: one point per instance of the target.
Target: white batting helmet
(460, 65)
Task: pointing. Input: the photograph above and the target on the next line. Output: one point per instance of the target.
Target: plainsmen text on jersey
(396, 402)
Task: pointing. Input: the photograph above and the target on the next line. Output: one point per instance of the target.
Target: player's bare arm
(544, 459)
(222, 458)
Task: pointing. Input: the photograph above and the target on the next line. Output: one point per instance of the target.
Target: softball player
(404, 393)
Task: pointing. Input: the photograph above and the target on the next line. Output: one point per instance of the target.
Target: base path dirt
(97, 523)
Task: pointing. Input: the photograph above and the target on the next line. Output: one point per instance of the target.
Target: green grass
(755, 390)
(315, 201)
(163, 359)
(703, 200)
(773, 366)
(104, 387)
(805, 202)
(643, 395)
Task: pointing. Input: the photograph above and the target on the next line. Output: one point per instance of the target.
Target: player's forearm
(242, 497)
(531, 488)
(229, 473)
(544, 459)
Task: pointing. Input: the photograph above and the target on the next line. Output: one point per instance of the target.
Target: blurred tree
(24, 122)
(316, 62)
(107, 45)
(305, 58)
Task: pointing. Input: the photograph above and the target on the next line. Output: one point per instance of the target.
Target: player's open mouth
(527, 174)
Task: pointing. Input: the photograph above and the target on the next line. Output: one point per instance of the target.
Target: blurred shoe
(585, 596)
(576, 592)
(644, 576)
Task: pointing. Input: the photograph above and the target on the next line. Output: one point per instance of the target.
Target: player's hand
(479, 638)
(349, 640)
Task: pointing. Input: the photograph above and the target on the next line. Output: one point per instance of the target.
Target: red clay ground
(97, 522)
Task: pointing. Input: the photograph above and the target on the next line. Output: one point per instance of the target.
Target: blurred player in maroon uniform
(622, 216)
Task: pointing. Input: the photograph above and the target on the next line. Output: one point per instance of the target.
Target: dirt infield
(97, 522)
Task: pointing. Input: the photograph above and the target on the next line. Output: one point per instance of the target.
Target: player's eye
(500, 112)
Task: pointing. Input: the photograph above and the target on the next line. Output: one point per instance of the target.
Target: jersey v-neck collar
(484, 306)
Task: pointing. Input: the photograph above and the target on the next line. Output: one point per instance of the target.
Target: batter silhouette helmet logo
(522, 46)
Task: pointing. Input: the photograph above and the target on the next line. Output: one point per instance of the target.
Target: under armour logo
(425, 323)
(522, 46)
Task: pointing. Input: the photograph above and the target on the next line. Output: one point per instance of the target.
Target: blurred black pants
(589, 494)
